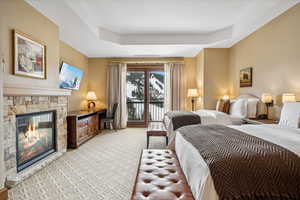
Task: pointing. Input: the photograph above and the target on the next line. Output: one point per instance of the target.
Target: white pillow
(252, 108)
(290, 114)
(238, 108)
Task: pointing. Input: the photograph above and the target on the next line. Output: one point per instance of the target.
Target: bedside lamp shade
(91, 96)
(266, 98)
(288, 97)
(193, 93)
(225, 97)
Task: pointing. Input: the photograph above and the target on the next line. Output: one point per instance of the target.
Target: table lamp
(288, 97)
(268, 100)
(193, 93)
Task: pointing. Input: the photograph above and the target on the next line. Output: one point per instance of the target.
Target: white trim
(2, 168)
(17, 90)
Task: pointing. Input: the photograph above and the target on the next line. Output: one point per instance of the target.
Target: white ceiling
(157, 28)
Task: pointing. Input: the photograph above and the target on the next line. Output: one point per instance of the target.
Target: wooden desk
(82, 126)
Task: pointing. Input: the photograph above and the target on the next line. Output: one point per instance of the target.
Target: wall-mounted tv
(70, 77)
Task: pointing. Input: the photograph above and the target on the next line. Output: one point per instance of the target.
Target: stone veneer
(14, 105)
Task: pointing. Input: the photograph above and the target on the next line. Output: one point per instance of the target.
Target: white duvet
(207, 117)
(197, 172)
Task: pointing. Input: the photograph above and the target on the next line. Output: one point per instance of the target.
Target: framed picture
(246, 77)
(29, 56)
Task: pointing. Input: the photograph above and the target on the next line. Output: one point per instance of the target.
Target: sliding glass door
(145, 94)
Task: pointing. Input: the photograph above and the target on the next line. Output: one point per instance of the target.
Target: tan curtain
(174, 86)
(116, 90)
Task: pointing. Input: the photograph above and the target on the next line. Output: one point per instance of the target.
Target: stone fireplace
(35, 134)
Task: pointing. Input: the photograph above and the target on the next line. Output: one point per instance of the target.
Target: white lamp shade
(91, 96)
(288, 97)
(193, 93)
(266, 98)
(225, 97)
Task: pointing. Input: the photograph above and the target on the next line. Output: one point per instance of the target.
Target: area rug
(102, 168)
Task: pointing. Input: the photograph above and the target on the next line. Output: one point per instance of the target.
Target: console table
(82, 126)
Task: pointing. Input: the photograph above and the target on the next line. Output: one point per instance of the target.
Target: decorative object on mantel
(288, 97)
(246, 77)
(29, 56)
(91, 97)
(268, 100)
(193, 93)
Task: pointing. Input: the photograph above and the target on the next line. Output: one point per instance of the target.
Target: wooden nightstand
(260, 121)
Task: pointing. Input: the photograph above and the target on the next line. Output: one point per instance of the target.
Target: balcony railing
(136, 110)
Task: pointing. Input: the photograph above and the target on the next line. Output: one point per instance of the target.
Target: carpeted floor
(103, 168)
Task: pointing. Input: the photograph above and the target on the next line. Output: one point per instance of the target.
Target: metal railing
(135, 110)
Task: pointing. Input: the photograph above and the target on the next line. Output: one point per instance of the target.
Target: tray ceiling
(169, 28)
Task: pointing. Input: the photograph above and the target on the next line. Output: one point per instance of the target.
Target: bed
(244, 106)
(285, 135)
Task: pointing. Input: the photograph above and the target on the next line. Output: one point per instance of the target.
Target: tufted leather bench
(160, 177)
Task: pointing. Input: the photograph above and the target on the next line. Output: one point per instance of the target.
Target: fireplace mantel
(18, 90)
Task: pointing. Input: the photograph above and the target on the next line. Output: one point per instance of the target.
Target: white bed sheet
(197, 171)
(207, 117)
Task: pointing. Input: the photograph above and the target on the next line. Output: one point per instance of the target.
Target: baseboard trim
(3, 194)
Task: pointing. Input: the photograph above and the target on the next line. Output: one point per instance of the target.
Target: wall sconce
(193, 93)
(268, 100)
(288, 97)
(91, 97)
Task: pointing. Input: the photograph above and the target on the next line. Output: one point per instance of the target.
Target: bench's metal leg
(166, 140)
(147, 141)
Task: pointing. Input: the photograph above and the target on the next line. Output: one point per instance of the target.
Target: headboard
(261, 107)
(247, 96)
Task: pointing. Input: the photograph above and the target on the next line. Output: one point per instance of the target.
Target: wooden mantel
(17, 90)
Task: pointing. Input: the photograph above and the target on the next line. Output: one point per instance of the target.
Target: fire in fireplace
(36, 134)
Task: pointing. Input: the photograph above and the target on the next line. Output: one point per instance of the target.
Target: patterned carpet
(103, 168)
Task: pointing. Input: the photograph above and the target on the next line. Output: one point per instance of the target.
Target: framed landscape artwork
(246, 77)
(29, 56)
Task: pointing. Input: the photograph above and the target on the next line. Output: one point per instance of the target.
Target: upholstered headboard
(247, 96)
(261, 107)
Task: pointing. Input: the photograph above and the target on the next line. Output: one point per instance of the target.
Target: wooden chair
(111, 119)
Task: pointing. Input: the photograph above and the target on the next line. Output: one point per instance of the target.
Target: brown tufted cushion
(160, 177)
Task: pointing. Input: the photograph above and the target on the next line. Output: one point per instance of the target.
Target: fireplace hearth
(35, 137)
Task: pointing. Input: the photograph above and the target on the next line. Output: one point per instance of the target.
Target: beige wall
(97, 79)
(215, 81)
(200, 78)
(212, 76)
(98, 73)
(273, 52)
(17, 14)
(73, 57)
(190, 76)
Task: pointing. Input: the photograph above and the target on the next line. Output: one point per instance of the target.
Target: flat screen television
(70, 77)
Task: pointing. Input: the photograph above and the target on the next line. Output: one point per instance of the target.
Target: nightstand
(260, 121)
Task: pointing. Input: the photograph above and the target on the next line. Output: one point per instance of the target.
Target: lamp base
(93, 105)
(193, 104)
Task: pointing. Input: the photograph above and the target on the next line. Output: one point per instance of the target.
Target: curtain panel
(116, 91)
(174, 86)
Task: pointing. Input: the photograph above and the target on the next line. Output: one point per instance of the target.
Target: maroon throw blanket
(245, 167)
(183, 118)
